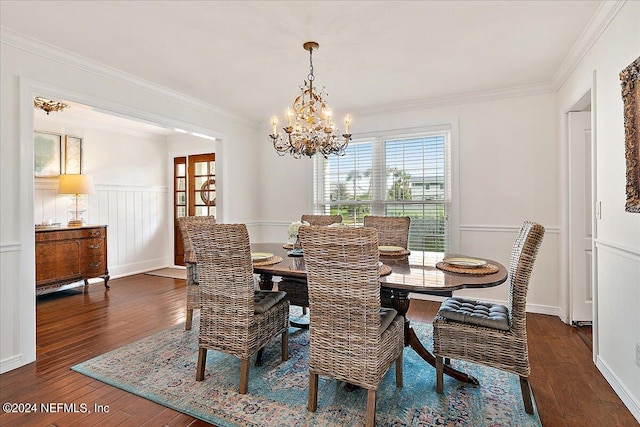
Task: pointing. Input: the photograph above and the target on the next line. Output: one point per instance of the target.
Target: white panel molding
(621, 250)
(503, 229)
(623, 393)
(596, 26)
(460, 99)
(10, 247)
(71, 59)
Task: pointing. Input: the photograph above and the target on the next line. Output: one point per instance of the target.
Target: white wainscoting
(136, 219)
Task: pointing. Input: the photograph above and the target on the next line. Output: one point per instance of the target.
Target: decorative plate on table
(260, 256)
(391, 249)
(465, 262)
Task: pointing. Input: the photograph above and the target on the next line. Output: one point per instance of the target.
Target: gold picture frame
(630, 80)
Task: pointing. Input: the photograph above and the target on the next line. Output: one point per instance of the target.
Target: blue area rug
(162, 368)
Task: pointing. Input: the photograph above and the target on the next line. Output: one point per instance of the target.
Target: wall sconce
(76, 186)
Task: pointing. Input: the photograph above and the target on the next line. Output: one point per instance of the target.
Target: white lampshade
(75, 184)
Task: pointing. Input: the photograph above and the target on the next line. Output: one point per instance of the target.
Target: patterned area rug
(162, 368)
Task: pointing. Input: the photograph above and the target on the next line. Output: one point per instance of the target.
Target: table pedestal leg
(266, 282)
(399, 300)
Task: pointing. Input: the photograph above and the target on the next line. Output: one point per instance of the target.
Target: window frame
(380, 200)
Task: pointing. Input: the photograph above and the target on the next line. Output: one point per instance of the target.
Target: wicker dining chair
(234, 319)
(392, 230)
(351, 338)
(322, 219)
(492, 334)
(193, 291)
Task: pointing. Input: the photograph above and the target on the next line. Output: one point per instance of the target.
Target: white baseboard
(139, 267)
(627, 398)
(11, 363)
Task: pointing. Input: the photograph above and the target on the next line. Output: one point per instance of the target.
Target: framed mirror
(630, 80)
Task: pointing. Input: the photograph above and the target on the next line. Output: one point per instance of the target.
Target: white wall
(28, 69)
(508, 172)
(617, 243)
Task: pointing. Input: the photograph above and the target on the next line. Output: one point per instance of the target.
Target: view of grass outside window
(398, 176)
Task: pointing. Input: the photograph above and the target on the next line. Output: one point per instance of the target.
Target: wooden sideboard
(70, 254)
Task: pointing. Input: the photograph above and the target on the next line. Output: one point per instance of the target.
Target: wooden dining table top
(416, 272)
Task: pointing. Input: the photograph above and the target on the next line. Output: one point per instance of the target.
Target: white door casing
(580, 221)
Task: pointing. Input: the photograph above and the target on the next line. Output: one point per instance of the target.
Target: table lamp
(76, 186)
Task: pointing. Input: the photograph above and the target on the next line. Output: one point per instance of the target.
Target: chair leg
(439, 375)
(244, 376)
(259, 360)
(371, 408)
(202, 359)
(399, 375)
(312, 404)
(189, 321)
(526, 394)
(285, 345)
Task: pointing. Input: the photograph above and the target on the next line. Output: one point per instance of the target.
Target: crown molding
(45, 50)
(594, 29)
(458, 99)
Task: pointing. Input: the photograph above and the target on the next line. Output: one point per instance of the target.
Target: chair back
(186, 240)
(344, 297)
(322, 219)
(392, 230)
(523, 255)
(225, 273)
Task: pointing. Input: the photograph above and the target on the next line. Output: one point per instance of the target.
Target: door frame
(587, 96)
(28, 89)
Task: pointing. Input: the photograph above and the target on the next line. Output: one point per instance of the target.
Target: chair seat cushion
(264, 300)
(481, 313)
(386, 317)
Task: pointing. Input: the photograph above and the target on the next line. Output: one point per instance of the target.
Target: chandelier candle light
(309, 127)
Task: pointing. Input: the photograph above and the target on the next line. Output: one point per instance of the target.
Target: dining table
(411, 272)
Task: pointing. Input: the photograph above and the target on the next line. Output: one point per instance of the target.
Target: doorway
(580, 217)
(194, 180)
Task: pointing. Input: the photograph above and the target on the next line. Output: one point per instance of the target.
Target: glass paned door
(179, 205)
(202, 185)
(194, 192)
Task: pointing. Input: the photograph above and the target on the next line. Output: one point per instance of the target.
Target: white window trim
(451, 151)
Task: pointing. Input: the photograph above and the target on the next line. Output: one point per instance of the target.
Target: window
(396, 175)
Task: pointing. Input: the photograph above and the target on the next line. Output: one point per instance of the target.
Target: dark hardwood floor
(73, 327)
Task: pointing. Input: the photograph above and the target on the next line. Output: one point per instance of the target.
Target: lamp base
(76, 223)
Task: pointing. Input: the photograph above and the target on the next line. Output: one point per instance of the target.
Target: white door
(580, 211)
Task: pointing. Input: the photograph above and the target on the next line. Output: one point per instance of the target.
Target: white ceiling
(247, 56)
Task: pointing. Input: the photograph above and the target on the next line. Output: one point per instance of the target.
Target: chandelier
(309, 127)
(48, 105)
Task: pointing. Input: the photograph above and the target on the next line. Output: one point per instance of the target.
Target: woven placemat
(287, 246)
(395, 254)
(385, 270)
(475, 271)
(270, 261)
